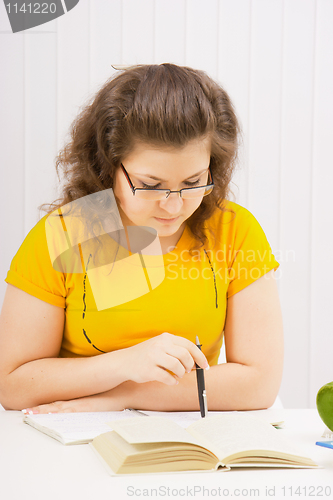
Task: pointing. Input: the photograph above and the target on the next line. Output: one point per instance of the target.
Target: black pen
(201, 385)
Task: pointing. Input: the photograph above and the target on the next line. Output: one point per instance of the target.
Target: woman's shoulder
(234, 225)
(230, 215)
(42, 238)
(38, 245)
(32, 268)
(236, 234)
(36, 237)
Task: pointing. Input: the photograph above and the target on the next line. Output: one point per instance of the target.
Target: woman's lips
(166, 221)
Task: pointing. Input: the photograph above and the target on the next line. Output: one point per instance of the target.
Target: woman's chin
(168, 231)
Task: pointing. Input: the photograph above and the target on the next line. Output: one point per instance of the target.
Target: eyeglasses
(160, 194)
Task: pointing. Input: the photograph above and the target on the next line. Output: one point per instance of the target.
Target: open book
(157, 444)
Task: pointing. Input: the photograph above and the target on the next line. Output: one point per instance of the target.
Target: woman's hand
(105, 401)
(154, 359)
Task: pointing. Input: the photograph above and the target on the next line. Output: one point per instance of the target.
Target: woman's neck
(168, 243)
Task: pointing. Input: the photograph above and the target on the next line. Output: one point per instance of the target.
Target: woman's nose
(172, 204)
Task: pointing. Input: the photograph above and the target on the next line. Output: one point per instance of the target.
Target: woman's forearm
(229, 386)
(53, 379)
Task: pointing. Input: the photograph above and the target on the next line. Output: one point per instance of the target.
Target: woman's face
(164, 168)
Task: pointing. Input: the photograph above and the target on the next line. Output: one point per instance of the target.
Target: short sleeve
(31, 269)
(251, 255)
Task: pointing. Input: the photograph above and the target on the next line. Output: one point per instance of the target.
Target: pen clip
(204, 397)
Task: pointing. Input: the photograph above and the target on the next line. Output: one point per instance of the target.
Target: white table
(34, 466)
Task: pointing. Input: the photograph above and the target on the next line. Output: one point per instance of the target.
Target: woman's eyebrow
(162, 180)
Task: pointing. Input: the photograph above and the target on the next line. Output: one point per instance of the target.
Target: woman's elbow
(8, 395)
(268, 386)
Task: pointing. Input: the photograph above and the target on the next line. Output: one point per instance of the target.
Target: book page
(233, 433)
(274, 417)
(152, 430)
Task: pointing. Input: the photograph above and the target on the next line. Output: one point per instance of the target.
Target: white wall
(274, 57)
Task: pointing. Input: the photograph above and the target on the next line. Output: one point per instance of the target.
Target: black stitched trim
(216, 304)
(85, 307)
(84, 290)
(86, 336)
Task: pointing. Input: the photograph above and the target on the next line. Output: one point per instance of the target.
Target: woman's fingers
(181, 361)
(163, 376)
(197, 355)
(57, 407)
(164, 358)
(172, 364)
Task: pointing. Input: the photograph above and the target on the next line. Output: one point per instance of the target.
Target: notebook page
(72, 427)
(182, 418)
(185, 418)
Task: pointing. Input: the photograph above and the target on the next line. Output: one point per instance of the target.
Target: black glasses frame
(166, 191)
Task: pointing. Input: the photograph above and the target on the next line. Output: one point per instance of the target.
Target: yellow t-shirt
(191, 300)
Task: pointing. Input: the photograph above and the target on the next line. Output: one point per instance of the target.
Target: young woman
(163, 140)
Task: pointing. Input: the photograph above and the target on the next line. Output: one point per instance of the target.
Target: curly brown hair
(164, 105)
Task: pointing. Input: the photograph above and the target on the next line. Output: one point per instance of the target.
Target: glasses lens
(189, 193)
(150, 194)
(208, 190)
(160, 194)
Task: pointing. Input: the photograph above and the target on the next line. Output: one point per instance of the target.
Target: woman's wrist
(114, 371)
